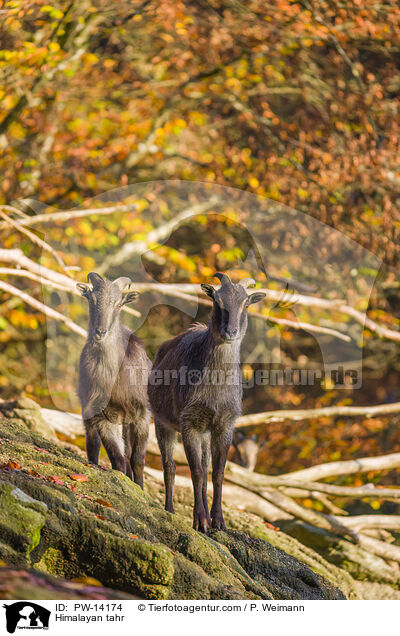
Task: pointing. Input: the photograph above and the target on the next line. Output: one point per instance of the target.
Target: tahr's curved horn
(95, 279)
(224, 278)
(247, 282)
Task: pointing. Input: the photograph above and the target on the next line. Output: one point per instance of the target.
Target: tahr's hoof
(200, 521)
(218, 522)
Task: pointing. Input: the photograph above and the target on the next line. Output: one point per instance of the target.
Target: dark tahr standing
(195, 388)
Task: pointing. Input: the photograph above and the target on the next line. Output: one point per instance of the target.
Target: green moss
(52, 562)
(154, 562)
(21, 519)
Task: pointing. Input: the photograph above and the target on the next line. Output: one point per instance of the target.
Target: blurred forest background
(294, 102)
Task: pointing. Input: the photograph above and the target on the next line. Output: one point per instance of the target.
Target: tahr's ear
(122, 283)
(130, 297)
(256, 297)
(208, 289)
(84, 288)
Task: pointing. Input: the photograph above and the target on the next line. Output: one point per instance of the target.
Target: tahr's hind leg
(166, 438)
(128, 450)
(139, 436)
(205, 462)
(93, 441)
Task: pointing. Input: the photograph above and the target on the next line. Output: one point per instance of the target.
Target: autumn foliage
(294, 101)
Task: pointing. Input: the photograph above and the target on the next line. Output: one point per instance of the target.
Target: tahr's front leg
(221, 439)
(166, 440)
(93, 441)
(111, 434)
(139, 436)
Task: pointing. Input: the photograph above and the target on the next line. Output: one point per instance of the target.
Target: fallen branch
(303, 489)
(384, 522)
(352, 466)
(326, 411)
(233, 495)
(301, 480)
(236, 473)
(380, 548)
(24, 273)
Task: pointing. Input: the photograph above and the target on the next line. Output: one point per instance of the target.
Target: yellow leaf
(88, 580)
(254, 182)
(16, 130)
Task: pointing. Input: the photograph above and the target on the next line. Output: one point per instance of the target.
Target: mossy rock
(337, 576)
(99, 524)
(21, 520)
(361, 564)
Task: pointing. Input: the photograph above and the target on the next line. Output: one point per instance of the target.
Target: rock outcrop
(61, 517)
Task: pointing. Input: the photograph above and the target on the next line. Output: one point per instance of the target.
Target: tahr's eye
(118, 306)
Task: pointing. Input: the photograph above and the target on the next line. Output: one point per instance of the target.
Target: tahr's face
(105, 299)
(108, 303)
(231, 304)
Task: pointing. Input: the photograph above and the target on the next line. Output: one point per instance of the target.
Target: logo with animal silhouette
(26, 615)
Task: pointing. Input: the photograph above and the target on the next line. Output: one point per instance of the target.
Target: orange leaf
(12, 464)
(271, 526)
(102, 502)
(78, 477)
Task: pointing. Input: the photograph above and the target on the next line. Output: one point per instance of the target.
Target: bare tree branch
(48, 311)
(55, 217)
(24, 273)
(47, 277)
(262, 495)
(34, 238)
(185, 292)
(155, 236)
(337, 305)
(17, 257)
